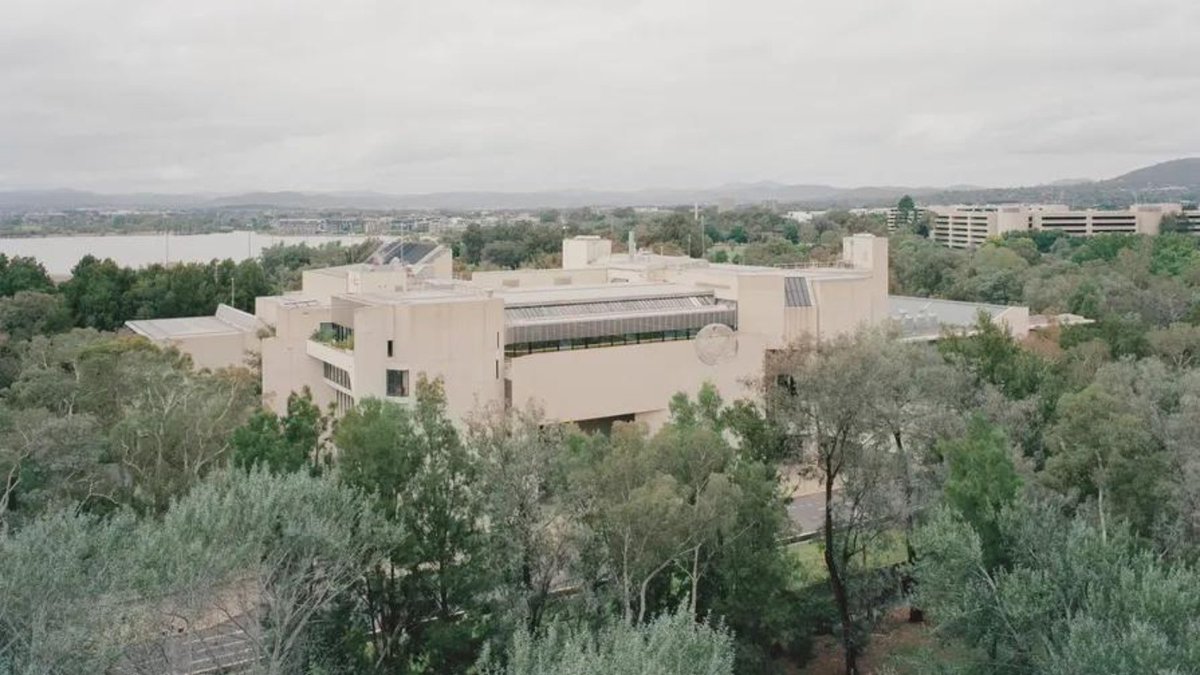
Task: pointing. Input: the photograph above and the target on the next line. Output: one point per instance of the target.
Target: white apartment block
(970, 226)
(607, 337)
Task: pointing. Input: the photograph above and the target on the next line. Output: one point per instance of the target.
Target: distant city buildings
(891, 215)
(361, 224)
(970, 226)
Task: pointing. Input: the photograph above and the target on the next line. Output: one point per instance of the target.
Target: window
(523, 348)
(497, 369)
(336, 375)
(344, 402)
(397, 383)
(389, 347)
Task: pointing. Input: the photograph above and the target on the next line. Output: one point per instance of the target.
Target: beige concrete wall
(799, 321)
(583, 251)
(460, 341)
(721, 281)
(286, 365)
(383, 279)
(870, 254)
(536, 278)
(216, 351)
(638, 379)
(1015, 319)
(322, 286)
(843, 305)
(760, 307)
(1011, 219)
(466, 349)
(442, 265)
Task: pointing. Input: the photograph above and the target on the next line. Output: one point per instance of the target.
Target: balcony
(335, 335)
(327, 353)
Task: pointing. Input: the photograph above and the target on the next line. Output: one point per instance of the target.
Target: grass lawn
(810, 557)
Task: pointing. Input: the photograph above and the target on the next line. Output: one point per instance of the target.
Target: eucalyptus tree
(840, 401)
(429, 597)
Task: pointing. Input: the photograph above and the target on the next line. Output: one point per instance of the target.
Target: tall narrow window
(397, 383)
(497, 369)
(389, 349)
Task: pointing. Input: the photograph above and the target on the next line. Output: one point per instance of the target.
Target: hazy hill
(1173, 174)
(1174, 180)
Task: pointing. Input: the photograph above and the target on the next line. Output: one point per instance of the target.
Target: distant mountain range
(1173, 180)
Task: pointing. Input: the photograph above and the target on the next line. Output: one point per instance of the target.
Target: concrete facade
(606, 337)
(970, 226)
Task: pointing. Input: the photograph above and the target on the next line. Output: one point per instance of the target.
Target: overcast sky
(430, 95)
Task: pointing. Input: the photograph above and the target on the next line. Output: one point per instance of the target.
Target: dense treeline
(104, 295)
(1116, 279)
(755, 235)
(516, 545)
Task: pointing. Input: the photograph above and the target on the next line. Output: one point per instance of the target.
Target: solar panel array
(408, 253)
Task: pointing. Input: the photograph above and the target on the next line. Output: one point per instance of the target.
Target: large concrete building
(606, 337)
(970, 226)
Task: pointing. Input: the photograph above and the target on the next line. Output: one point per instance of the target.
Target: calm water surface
(59, 254)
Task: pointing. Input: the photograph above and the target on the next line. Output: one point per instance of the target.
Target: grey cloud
(412, 96)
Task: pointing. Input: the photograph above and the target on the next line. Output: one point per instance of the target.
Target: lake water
(59, 254)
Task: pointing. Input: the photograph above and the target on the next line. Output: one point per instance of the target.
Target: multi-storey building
(606, 337)
(970, 226)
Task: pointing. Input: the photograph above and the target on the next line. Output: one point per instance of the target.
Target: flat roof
(192, 326)
(227, 321)
(950, 312)
(413, 297)
(585, 293)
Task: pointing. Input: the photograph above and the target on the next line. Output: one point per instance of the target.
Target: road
(807, 512)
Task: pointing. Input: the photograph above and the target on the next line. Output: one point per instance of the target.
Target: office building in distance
(970, 226)
(606, 337)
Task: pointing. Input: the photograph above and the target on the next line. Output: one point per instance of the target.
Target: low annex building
(608, 337)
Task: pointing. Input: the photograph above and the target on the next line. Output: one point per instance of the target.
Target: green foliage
(995, 357)
(672, 644)
(162, 425)
(76, 591)
(922, 267)
(19, 274)
(281, 445)
(683, 518)
(508, 254)
(49, 461)
(981, 482)
(510, 245)
(1173, 254)
(430, 600)
(1074, 598)
(103, 295)
(1106, 444)
(97, 292)
(30, 313)
(848, 409)
(1103, 248)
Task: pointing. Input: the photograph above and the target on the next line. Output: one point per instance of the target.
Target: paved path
(807, 512)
